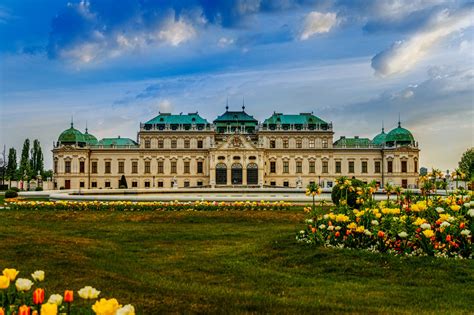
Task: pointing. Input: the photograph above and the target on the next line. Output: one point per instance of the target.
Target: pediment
(236, 142)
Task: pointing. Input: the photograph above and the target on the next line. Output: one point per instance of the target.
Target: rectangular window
(389, 166)
(94, 168)
(121, 168)
(312, 167)
(147, 143)
(272, 144)
(325, 167)
(286, 184)
(160, 184)
(286, 167)
(147, 184)
(200, 167)
(82, 166)
(81, 185)
(173, 167)
(161, 144)
(272, 167)
(94, 184)
(55, 166)
(135, 167)
(416, 166)
(108, 167)
(134, 184)
(187, 143)
(404, 166)
(364, 167)
(299, 144)
(160, 167)
(147, 167)
(67, 167)
(186, 184)
(351, 166)
(299, 167)
(186, 167)
(404, 183)
(174, 143)
(311, 143)
(325, 143)
(273, 183)
(285, 143)
(377, 167)
(107, 184)
(338, 167)
(199, 144)
(199, 183)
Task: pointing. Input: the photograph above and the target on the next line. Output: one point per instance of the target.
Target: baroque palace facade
(236, 150)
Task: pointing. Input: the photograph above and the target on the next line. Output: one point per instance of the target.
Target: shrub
(62, 188)
(11, 194)
(39, 188)
(339, 192)
(15, 189)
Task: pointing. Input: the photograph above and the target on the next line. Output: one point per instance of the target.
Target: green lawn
(224, 262)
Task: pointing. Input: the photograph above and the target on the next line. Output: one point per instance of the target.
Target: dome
(72, 135)
(399, 135)
(380, 138)
(90, 139)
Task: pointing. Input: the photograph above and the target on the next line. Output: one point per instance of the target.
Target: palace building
(235, 150)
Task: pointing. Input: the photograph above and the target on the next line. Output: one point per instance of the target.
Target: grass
(224, 262)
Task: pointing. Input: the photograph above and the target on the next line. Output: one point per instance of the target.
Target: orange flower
(461, 225)
(313, 230)
(38, 296)
(68, 296)
(2, 311)
(337, 234)
(24, 310)
(448, 238)
(380, 234)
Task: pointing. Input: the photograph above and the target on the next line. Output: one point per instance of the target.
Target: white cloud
(317, 23)
(165, 106)
(403, 55)
(224, 42)
(176, 32)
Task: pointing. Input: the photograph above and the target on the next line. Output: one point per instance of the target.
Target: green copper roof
(301, 119)
(355, 142)
(380, 138)
(399, 135)
(108, 142)
(71, 135)
(189, 119)
(230, 116)
(90, 139)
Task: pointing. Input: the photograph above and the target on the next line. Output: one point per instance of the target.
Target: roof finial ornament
(243, 103)
(399, 123)
(227, 104)
(72, 121)
(383, 129)
(86, 126)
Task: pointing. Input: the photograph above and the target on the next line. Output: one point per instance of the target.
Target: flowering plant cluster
(148, 206)
(411, 225)
(22, 296)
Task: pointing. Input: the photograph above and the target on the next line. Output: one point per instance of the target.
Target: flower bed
(147, 206)
(22, 296)
(421, 226)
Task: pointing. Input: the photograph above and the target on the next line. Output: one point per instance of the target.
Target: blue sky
(112, 64)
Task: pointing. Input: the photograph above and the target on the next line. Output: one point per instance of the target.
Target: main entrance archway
(236, 174)
(252, 174)
(221, 174)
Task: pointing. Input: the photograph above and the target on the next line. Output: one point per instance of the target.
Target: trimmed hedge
(11, 194)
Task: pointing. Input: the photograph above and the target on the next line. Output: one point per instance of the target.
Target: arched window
(221, 174)
(252, 174)
(236, 174)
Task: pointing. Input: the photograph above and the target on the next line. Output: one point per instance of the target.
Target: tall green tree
(37, 163)
(25, 166)
(466, 164)
(12, 165)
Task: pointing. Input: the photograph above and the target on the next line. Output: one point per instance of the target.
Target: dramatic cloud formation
(403, 55)
(317, 23)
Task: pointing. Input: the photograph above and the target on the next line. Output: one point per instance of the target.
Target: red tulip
(448, 238)
(38, 296)
(68, 296)
(462, 225)
(24, 310)
(380, 234)
(337, 234)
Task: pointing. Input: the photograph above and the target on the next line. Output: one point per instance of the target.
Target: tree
(12, 165)
(25, 167)
(466, 164)
(37, 163)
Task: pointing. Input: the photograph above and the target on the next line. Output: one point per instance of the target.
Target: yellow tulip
(4, 282)
(106, 307)
(428, 233)
(49, 309)
(10, 273)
